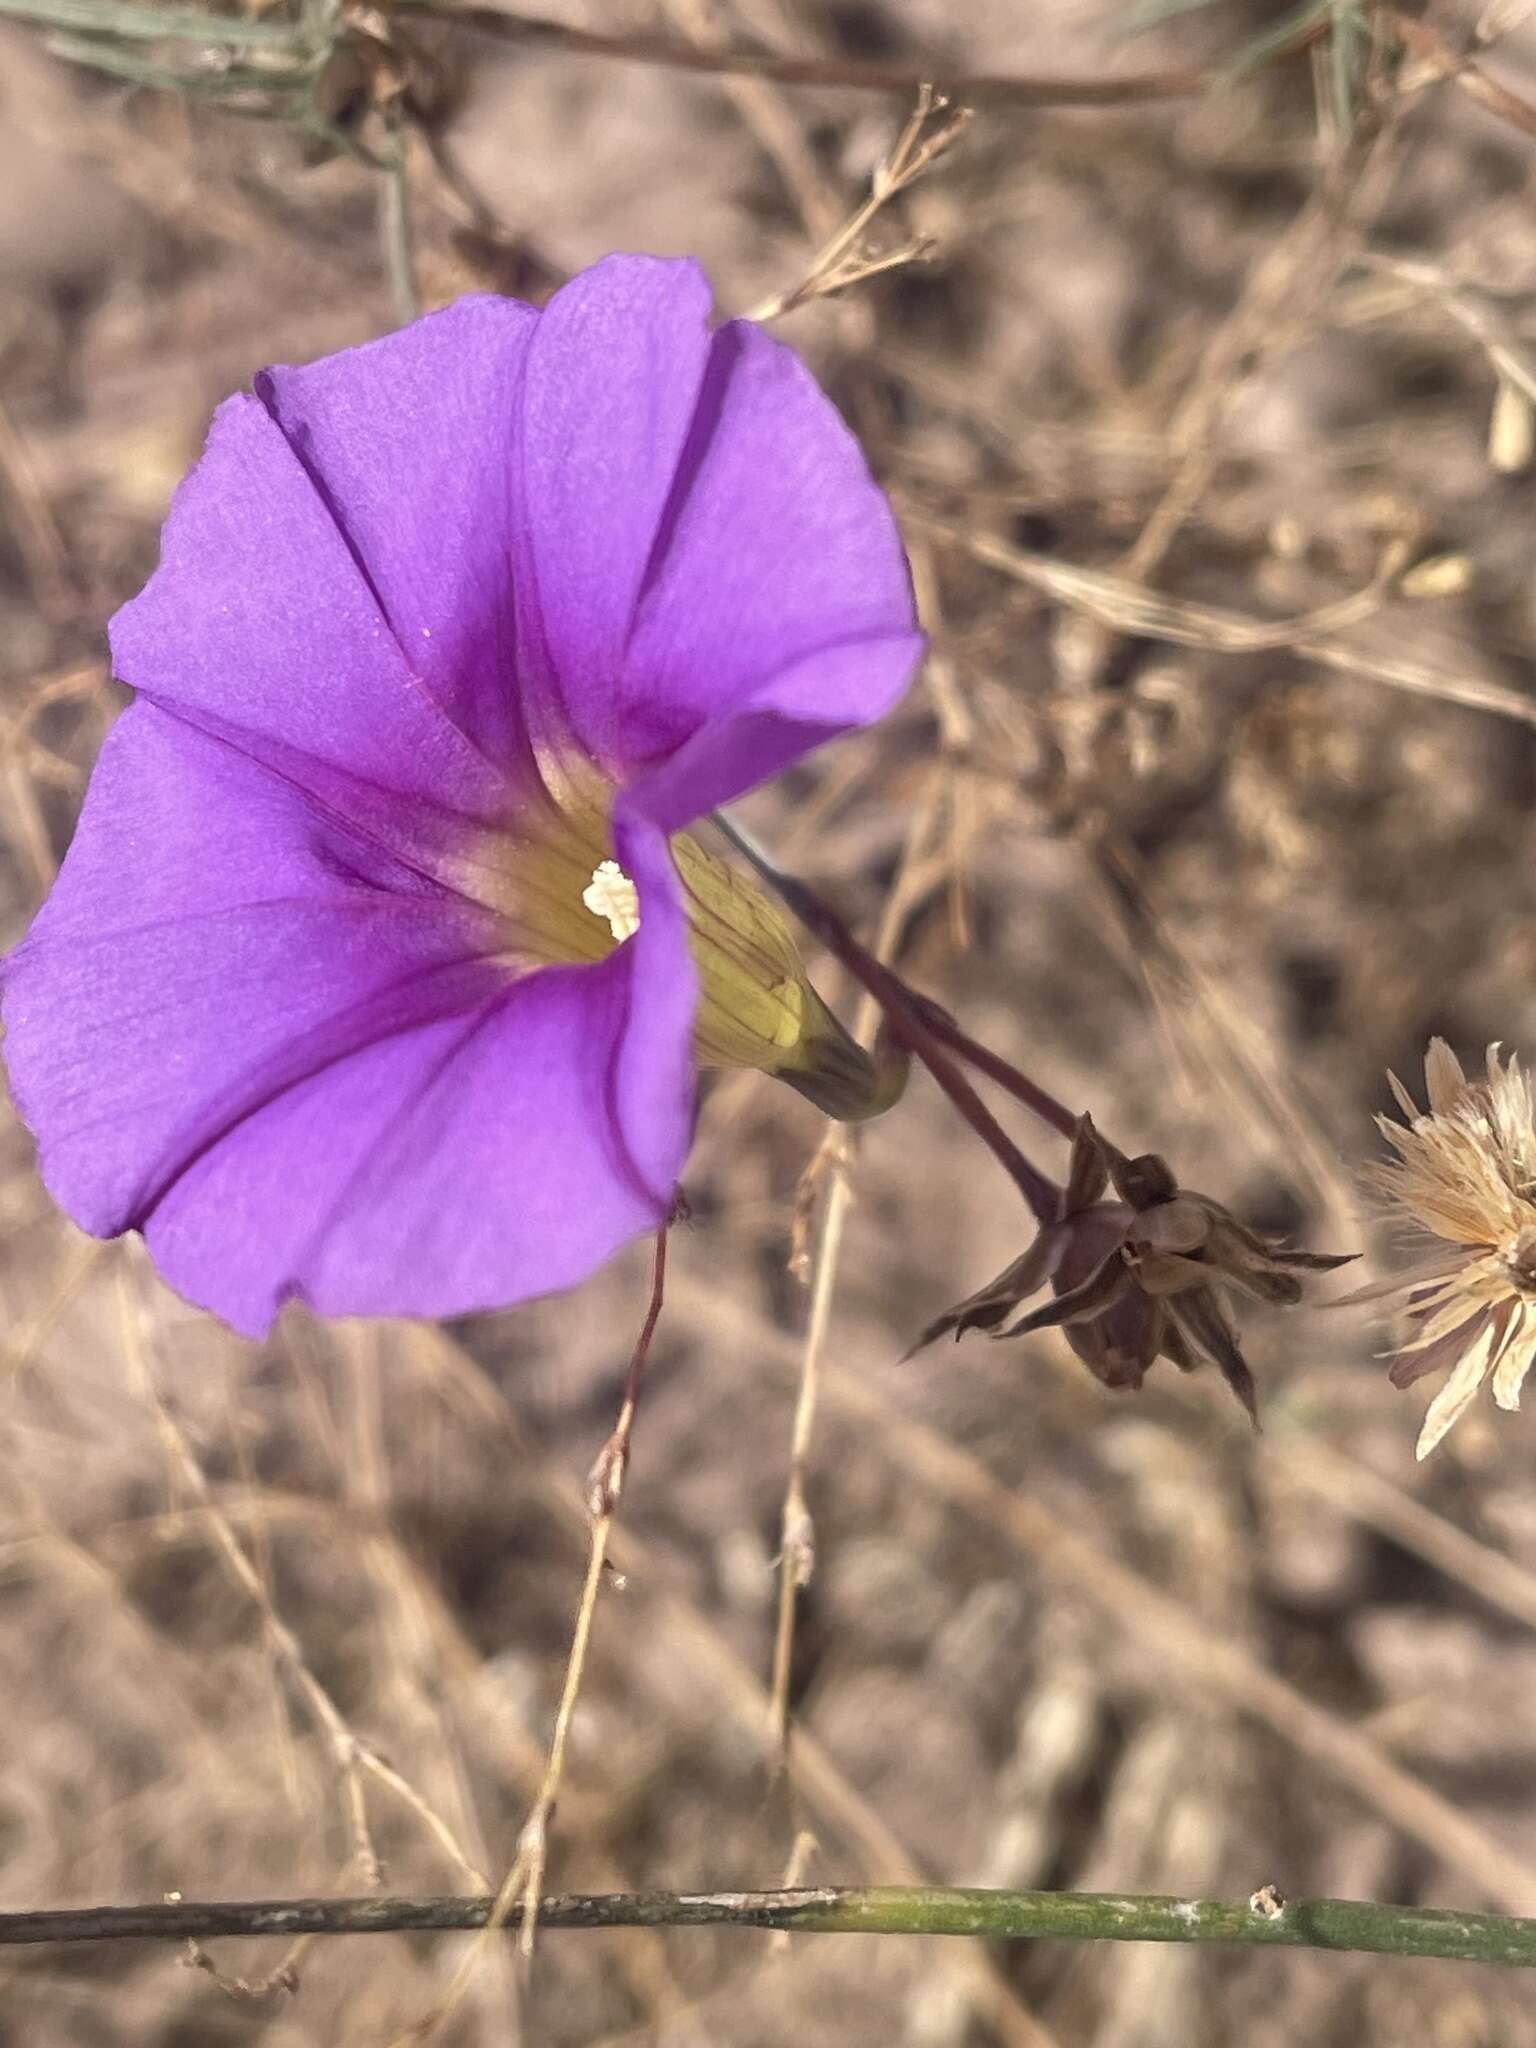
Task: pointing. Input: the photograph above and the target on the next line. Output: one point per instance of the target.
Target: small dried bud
(1139, 1278)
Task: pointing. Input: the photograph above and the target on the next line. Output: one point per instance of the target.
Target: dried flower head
(1139, 1278)
(1464, 1185)
(382, 961)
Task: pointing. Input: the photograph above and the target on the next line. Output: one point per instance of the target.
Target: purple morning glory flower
(379, 969)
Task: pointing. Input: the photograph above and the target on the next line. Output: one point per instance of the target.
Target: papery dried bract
(1464, 1184)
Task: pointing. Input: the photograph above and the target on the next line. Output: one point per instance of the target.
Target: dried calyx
(1138, 1277)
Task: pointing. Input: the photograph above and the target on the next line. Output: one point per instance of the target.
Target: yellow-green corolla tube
(562, 897)
(841, 1078)
(757, 1007)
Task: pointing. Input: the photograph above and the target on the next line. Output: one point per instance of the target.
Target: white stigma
(611, 894)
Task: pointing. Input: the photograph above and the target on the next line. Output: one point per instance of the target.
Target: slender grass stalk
(395, 225)
(135, 23)
(1265, 1921)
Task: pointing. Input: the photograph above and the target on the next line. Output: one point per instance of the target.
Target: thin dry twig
(1207, 1028)
(1284, 284)
(1438, 57)
(1353, 1489)
(846, 257)
(739, 1692)
(1441, 60)
(411, 1612)
(522, 1889)
(1130, 608)
(765, 111)
(503, 1746)
(1162, 1624)
(827, 1174)
(24, 1346)
(903, 80)
(35, 528)
(354, 1758)
(1471, 313)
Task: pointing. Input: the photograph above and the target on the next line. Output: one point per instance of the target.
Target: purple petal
(609, 393)
(317, 551)
(411, 441)
(712, 567)
(465, 1164)
(777, 547)
(392, 567)
(293, 1065)
(824, 694)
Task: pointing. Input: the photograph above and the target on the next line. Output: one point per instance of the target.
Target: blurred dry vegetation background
(1210, 421)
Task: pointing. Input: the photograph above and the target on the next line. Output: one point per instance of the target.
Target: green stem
(1263, 1922)
(136, 23)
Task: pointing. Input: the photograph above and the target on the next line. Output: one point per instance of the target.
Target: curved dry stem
(1162, 1624)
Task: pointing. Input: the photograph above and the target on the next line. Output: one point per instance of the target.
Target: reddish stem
(995, 1067)
(908, 1017)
